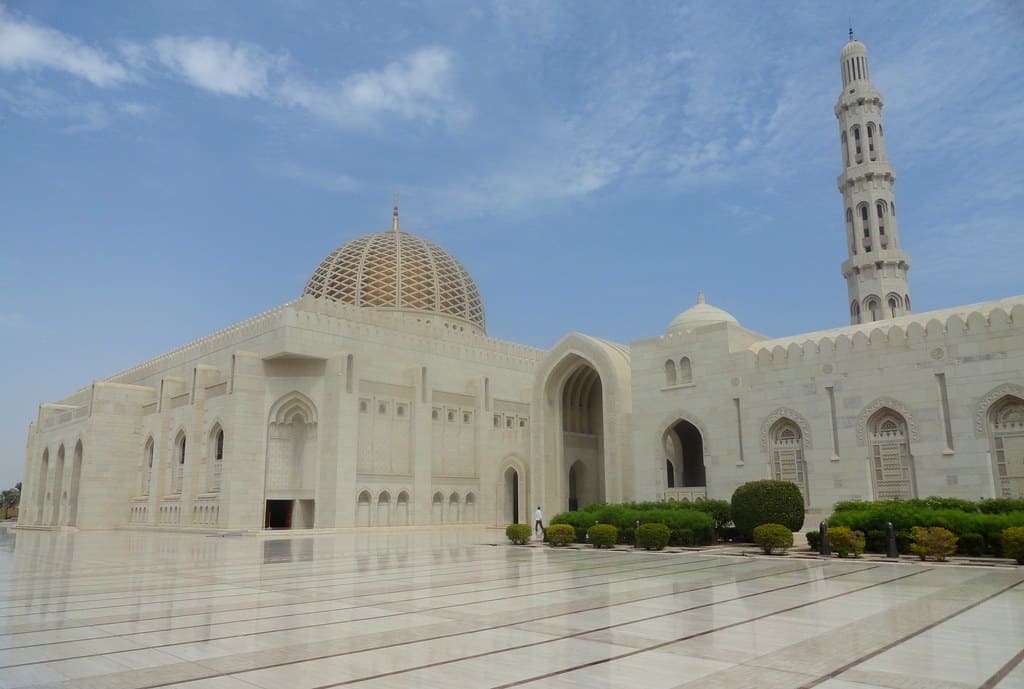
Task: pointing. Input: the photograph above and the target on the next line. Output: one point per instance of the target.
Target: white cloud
(416, 87)
(29, 47)
(216, 65)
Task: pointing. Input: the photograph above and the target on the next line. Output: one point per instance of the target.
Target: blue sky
(169, 168)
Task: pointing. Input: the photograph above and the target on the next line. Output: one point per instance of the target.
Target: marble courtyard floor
(433, 608)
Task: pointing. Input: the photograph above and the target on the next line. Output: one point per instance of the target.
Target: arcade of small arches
(874, 143)
(678, 372)
(871, 228)
(895, 306)
(56, 494)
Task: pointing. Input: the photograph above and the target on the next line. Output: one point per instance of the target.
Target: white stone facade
(377, 399)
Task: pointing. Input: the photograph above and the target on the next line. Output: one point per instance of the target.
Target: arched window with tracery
(854, 312)
(146, 468)
(178, 467)
(871, 141)
(865, 226)
(851, 236)
(685, 371)
(788, 462)
(670, 372)
(216, 454)
(880, 209)
(858, 156)
(895, 304)
(1006, 432)
(846, 151)
(892, 468)
(873, 306)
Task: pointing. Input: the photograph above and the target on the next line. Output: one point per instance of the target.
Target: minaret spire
(876, 266)
(700, 296)
(394, 215)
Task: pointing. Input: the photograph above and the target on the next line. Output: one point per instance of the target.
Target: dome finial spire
(851, 29)
(700, 296)
(394, 215)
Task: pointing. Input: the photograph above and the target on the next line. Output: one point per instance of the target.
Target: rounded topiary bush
(560, 534)
(772, 537)
(767, 502)
(932, 541)
(602, 535)
(652, 536)
(518, 533)
(1013, 543)
(845, 541)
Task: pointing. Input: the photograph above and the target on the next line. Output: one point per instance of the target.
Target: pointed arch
(594, 375)
(891, 461)
(885, 402)
(785, 413)
(1006, 442)
(284, 409)
(985, 402)
(788, 460)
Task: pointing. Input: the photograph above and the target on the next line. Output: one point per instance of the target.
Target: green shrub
(767, 502)
(932, 541)
(681, 537)
(772, 537)
(720, 512)
(845, 541)
(602, 535)
(678, 517)
(519, 533)
(652, 536)
(814, 540)
(1013, 543)
(971, 544)
(560, 534)
(1001, 505)
(871, 517)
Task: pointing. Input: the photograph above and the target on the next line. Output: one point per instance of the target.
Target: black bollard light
(823, 546)
(891, 551)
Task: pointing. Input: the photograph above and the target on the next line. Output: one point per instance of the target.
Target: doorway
(279, 514)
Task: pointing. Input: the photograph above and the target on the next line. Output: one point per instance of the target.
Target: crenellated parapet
(938, 327)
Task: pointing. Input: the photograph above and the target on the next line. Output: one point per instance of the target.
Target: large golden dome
(398, 270)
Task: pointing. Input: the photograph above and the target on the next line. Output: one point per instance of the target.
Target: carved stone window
(891, 462)
(1006, 429)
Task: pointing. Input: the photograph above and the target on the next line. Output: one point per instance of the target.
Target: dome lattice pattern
(398, 270)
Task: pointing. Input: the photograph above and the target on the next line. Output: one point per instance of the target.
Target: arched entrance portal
(685, 477)
(583, 436)
(511, 493)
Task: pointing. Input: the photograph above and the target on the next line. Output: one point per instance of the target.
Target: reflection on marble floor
(446, 608)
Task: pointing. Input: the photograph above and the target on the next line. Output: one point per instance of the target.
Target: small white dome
(699, 315)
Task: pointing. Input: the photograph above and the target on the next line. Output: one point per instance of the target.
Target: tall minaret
(876, 270)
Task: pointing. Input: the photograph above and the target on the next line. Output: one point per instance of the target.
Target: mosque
(377, 398)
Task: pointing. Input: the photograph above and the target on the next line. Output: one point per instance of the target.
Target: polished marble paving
(450, 608)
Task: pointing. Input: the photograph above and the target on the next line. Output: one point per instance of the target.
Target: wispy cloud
(12, 320)
(25, 46)
(216, 65)
(416, 87)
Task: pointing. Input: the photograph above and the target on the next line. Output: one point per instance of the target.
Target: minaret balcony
(870, 169)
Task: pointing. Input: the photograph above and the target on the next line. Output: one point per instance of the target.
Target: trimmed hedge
(652, 536)
(602, 535)
(773, 537)
(559, 534)
(871, 518)
(767, 502)
(518, 533)
(687, 524)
